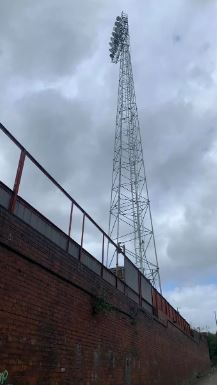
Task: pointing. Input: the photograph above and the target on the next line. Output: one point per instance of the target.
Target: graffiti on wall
(3, 377)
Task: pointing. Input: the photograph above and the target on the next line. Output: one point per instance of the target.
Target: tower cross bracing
(130, 218)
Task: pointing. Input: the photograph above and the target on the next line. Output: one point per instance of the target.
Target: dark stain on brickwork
(128, 370)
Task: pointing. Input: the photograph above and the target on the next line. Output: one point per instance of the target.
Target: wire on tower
(130, 219)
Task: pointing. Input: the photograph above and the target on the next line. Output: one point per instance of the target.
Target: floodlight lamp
(117, 30)
(116, 39)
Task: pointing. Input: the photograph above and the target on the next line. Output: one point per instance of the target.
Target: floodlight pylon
(130, 218)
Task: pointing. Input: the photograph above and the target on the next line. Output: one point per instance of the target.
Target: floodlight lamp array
(119, 37)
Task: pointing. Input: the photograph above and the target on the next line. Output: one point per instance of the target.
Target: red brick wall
(49, 334)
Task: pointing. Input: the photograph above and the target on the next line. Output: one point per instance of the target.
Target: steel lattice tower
(130, 219)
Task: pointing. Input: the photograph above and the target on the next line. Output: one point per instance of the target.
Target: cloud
(47, 39)
(59, 95)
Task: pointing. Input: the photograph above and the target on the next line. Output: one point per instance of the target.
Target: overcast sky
(58, 97)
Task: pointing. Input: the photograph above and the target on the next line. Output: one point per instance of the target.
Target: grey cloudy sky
(58, 97)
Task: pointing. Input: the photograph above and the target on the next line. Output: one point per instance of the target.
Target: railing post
(124, 273)
(82, 237)
(118, 250)
(20, 166)
(156, 296)
(70, 225)
(117, 258)
(103, 246)
(140, 287)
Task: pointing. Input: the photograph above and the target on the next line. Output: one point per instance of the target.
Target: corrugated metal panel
(39, 224)
(109, 277)
(155, 302)
(22, 212)
(131, 275)
(91, 262)
(146, 306)
(146, 290)
(4, 197)
(26, 215)
(121, 286)
(33, 219)
(131, 294)
(74, 249)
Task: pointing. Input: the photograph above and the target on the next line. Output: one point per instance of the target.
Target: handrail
(53, 180)
(25, 153)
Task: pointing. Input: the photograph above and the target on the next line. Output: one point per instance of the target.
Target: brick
(49, 335)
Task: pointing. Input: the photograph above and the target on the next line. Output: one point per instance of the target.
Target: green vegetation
(101, 306)
(212, 343)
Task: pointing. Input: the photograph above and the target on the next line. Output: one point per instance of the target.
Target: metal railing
(105, 240)
(134, 285)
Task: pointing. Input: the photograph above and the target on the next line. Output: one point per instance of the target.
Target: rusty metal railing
(158, 302)
(24, 153)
